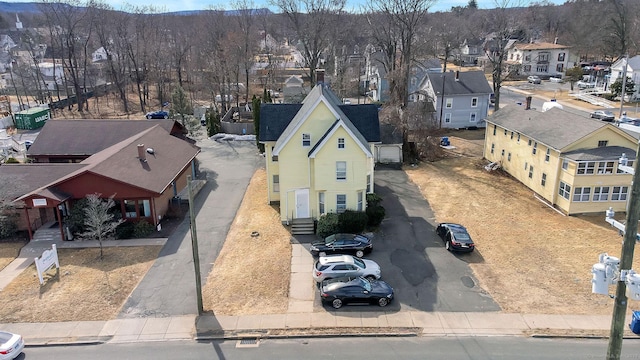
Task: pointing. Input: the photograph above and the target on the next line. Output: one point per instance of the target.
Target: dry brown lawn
(9, 251)
(86, 288)
(251, 274)
(530, 258)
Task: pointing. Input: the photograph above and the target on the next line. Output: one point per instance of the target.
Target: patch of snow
(232, 137)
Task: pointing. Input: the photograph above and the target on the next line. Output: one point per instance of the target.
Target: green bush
(373, 199)
(353, 222)
(327, 225)
(8, 225)
(12, 160)
(125, 230)
(375, 215)
(142, 229)
(76, 217)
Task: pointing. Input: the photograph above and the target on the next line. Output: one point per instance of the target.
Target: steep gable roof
(334, 127)
(555, 128)
(468, 83)
(87, 137)
(278, 122)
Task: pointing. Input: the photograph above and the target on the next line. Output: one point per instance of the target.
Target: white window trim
(306, 138)
(448, 103)
(474, 99)
(343, 143)
(339, 172)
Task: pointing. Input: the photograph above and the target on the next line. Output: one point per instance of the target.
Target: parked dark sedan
(161, 114)
(355, 290)
(455, 237)
(342, 244)
(603, 115)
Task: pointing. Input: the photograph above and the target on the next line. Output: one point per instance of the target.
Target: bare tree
(311, 21)
(99, 222)
(502, 23)
(111, 30)
(246, 19)
(396, 29)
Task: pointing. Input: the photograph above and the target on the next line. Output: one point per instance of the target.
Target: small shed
(389, 150)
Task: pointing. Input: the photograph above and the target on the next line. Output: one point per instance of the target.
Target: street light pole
(194, 247)
(626, 262)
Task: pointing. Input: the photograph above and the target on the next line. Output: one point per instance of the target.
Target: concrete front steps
(302, 226)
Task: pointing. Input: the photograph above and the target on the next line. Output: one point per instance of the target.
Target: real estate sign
(46, 261)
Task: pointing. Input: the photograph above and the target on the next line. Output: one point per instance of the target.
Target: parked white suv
(334, 266)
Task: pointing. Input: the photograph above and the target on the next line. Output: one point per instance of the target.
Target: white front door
(302, 203)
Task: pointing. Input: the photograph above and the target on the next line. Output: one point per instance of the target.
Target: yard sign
(46, 261)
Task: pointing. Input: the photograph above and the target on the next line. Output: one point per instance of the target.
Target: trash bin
(635, 322)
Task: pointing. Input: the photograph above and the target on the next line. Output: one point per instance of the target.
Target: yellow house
(568, 160)
(319, 155)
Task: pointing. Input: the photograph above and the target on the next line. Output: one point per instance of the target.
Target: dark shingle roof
(555, 128)
(25, 178)
(87, 137)
(468, 83)
(363, 117)
(601, 153)
(390, 134)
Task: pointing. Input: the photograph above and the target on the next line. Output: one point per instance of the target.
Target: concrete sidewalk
(362, 323)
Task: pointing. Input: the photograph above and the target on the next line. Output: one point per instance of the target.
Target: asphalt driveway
(168, 289)
(413, 259)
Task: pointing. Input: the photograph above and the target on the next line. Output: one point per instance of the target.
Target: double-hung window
(306, 140)
(341, 203)
(581, 194)
(601, 193)
(619, 193)
(341, 170)
(565, 190)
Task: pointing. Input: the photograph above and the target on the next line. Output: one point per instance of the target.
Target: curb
(316, 333)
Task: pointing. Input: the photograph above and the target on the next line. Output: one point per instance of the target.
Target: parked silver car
(334, 266)
(534, 79)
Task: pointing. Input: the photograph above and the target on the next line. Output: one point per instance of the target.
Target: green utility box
(33, 118)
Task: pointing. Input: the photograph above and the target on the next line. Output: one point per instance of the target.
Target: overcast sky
(173, 5)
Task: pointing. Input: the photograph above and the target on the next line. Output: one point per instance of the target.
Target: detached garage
(389, 151)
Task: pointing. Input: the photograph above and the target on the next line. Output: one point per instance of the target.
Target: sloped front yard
(251, 274)
(533, 260)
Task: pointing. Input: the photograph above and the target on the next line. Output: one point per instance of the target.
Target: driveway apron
(413, 259)
(168, 289)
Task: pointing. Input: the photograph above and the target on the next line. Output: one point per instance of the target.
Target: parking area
(424, 275)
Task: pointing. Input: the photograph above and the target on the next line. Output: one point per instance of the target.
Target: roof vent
(141, 155)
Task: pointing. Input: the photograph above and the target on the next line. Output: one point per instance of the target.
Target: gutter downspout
(556, 183)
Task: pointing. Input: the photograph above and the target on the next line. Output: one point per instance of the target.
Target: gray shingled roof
(555, 128)
(468, 83)
(87, 137)
(390, 134)
(276, 118)
(25, 178)
(601, 153)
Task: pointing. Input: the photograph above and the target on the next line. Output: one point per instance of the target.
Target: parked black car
(355, 290)
(342, 244)
(455, 237)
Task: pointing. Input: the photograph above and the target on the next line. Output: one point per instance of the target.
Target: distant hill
(28, 7)
(32, 7)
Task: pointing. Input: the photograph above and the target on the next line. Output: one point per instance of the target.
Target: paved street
(168, 289)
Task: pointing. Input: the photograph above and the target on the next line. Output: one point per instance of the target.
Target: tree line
(148, 53)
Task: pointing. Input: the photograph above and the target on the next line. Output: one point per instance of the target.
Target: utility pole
(194, 247)
(624, 86)
(626, 262)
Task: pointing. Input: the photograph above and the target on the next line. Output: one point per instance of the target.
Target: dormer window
(306, 140)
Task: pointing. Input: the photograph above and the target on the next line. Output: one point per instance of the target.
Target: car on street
(11, 345)
(534, 79)
(455, 237)
(334, 266)
(585, 85)
(160, 114)
(355, 290)
(603, 115)
(342, 244)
